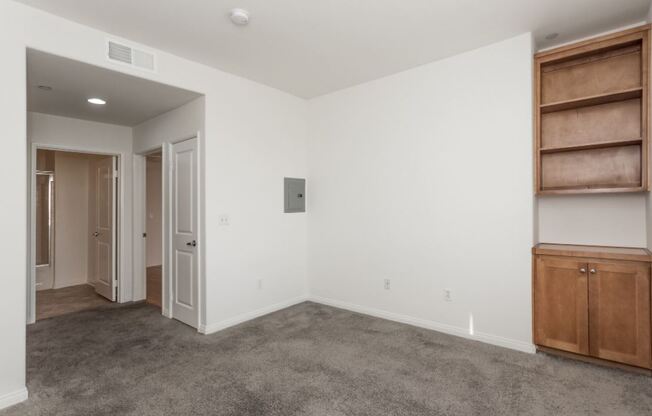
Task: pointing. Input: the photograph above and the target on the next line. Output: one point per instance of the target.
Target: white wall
(71, 189)
(182, 123)
(13, 221)
(259, 140)
(604, 220)
(424, 178)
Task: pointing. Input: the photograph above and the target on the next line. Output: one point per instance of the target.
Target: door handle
(96, 234)
(592, 271)
(192, 243)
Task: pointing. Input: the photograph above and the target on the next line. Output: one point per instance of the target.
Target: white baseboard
(219, 326)
(13, 398)
(427, 324)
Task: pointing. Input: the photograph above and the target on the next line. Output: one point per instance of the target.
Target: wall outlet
(387, 284)
(448, 295)
(223, 219)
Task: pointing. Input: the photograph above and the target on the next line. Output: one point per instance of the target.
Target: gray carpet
(305, 360)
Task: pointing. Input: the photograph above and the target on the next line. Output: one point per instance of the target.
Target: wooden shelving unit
(586, 146)
(591, 115)
(609, 97)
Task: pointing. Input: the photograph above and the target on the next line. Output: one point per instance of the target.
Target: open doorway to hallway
(94, 115)
(75, 231)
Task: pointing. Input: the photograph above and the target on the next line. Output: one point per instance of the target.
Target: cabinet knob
(592, 271)
(582, 270)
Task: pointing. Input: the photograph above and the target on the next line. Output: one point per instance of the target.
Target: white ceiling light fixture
(239, 17)
(96, 101)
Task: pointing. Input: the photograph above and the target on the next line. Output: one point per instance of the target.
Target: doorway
(154, 228)
(77, 107)
(74, 234)
(169, 217)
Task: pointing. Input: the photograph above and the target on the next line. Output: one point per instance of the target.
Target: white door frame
(31, 229)
(140, 263)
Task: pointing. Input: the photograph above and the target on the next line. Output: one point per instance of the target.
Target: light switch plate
(294, 195)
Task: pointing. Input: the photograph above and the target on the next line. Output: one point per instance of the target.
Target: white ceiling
(311, 47)
(130, 100)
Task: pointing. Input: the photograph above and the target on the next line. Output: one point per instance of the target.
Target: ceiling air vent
(127, 55)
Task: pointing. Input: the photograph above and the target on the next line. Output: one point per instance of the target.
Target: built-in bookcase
(591, 115)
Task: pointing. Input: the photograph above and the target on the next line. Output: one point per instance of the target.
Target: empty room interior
(326, 208)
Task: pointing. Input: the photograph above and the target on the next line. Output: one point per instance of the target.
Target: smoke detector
(239, 17)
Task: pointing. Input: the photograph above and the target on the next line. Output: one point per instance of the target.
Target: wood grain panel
(619, 296)
(595, 252)
(591, 101)
(616, 167)
(601, 73)
(597, 124)
(561, 304)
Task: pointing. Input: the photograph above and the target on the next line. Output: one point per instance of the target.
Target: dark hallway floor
(55, 302)
(154, 285)
(305, 360)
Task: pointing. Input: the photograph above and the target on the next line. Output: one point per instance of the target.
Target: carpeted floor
(305, 360)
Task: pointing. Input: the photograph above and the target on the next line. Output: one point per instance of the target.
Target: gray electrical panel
(295, 195)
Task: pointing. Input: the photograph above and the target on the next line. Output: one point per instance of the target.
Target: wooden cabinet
(591, 115)
(562, 307)
(594, 301)
(619, 308)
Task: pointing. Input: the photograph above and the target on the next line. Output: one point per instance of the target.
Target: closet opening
(153, 235)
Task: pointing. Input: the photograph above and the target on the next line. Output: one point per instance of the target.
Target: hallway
(56, 302)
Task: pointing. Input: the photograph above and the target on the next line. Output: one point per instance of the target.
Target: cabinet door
(561, 309)
(619, 308)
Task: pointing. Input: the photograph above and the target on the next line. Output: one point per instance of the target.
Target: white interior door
(104, 235)
(185, 258)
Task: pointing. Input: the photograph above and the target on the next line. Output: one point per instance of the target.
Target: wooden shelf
(592, 100)
(599, 145)
(591, 116)
(597, 189)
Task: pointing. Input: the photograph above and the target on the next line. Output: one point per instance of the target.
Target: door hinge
(144, 235)
(115, 173)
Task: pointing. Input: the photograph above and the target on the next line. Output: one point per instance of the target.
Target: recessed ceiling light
(44, 87)
(96, 101)
(552, 36)
(239, 17)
